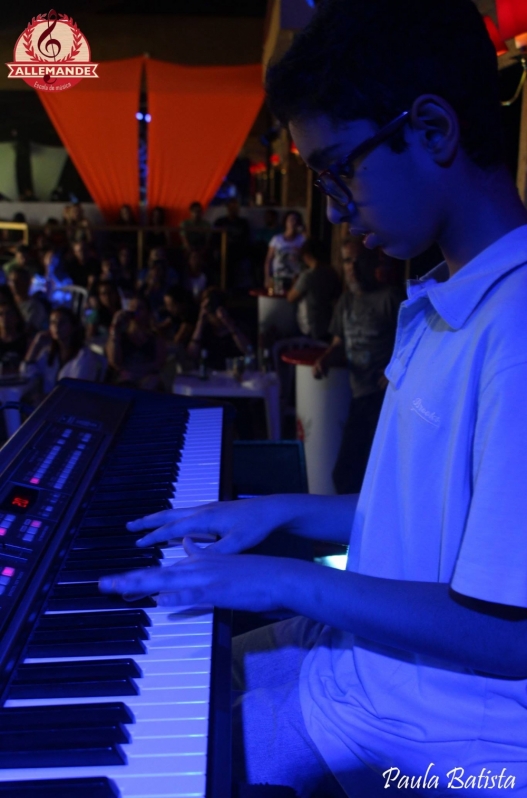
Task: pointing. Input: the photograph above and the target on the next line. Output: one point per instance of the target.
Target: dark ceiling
(26, 9)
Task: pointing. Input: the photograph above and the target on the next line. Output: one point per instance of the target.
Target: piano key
(71, 737)
(167, 753)
(109, 713)
(100, 755)
(97, 787)
(123, 618)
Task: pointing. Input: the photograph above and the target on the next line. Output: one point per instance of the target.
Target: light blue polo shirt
(444, 499)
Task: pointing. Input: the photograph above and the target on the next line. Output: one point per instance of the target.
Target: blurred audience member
(154, 287)
(127, 264)
(363, 329)
(13, 338)
(157, 238)
(77, 226)
(216, 332)
(23, 257)
(195, 279)
(316, 290)
(159, 255)
(238, 232)
(181, 314)
(195, 231)
(49, 285)
(270, 229)
(283, 263)
(60, 352)
(103, 304)
(32, 309)
(82, 265)
(136, 352)
(126, 218)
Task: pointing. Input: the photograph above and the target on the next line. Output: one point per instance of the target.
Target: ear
(437, 126)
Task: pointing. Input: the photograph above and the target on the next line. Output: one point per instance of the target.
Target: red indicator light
(34, 480)
(3, 531)
(20, 501)
(36, 523)
(8, 571)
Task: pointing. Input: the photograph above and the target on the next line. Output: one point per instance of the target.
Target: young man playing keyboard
(409, 669)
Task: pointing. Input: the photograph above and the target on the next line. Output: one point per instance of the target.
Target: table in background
(223, 385)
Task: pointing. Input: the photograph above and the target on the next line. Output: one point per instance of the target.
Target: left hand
(235, 581)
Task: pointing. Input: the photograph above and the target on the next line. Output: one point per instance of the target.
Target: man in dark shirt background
(315, 291)
(363, 329)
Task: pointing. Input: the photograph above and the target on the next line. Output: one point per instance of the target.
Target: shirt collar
(456, 298)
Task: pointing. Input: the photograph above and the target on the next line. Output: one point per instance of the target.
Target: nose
(338, 213)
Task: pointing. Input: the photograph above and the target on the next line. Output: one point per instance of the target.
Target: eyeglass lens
(329, 186)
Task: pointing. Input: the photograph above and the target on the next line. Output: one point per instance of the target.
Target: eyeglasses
(329, 181)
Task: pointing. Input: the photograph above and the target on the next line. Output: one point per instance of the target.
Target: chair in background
(79, 298)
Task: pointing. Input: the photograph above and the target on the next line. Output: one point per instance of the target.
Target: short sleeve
(274, 242)
(492, 561)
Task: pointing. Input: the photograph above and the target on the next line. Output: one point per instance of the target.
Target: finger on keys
(150, 582)
(157, 519)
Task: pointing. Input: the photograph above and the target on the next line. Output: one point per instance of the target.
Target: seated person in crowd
(158, 254)
(180, 316)
(127, 263)
(154, 287)
(55, 277)
(78, 227)
(315, 290)
(195, 231)
(216, 332)
(363, 329)
(103, 303)
(13, 338)
(283, 263)
(82, 265)
(60, 352)
(195, 279)
(32, 309)
(135, 350)
(23, 257)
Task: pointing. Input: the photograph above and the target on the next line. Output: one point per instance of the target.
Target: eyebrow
(320, 157)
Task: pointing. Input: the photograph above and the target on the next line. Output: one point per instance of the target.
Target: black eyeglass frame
(334, 173)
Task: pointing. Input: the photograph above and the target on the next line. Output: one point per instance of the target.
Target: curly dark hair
(371, 59)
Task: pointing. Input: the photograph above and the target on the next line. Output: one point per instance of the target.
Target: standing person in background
(363, 329)
(283, 263)
(159, 237)
(238, 233)
(60, 352)
(50, 283)
(315, 291)
(195, 231)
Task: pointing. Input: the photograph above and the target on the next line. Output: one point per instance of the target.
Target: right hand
(320, 368)
(235, 526)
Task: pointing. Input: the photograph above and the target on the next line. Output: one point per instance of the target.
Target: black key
(75, 671)
(89, 737)
(110, 713)
(91, 540)
(95, 602)
(64, 757)
(82, 556)
(91, 648)
(92, 787)
(85, 634)
(133, 618)
(80, 689)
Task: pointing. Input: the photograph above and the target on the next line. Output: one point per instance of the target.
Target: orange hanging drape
(201, 117)
(96, 121)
